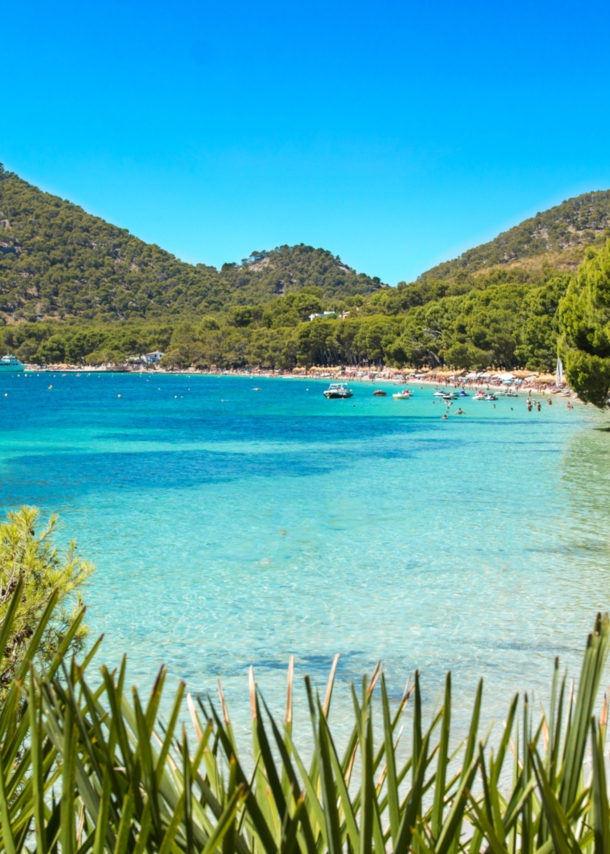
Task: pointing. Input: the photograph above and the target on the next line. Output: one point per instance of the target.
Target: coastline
(538, 384)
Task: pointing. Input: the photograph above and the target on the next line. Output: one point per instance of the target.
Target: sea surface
(236, 521)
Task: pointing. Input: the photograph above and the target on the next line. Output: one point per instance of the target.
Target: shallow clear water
(233, 527)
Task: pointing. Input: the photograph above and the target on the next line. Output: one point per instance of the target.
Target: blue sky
(395, 134)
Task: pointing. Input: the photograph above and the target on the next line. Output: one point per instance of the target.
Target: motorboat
(379, 393)
(510, 393)
(10, 363)
(440, 393)
(491, 396)
(402, 395)
(450, 395)
(480, 395)
(338, 391)
(463, 394)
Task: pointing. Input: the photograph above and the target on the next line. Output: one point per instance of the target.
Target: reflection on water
(232, 528)
(585, 532)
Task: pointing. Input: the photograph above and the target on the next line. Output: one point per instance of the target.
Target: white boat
(480, 395)
(10, 363)
(402, 395)
(510, 393)
(338, 391)
(450, 395)
(440, 393)
(559, 373)
(491, 396)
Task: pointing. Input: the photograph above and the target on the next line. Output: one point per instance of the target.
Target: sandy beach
(534, 383)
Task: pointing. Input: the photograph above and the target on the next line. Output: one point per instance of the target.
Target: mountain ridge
(566, 228)
(57, 261)
(76, 289)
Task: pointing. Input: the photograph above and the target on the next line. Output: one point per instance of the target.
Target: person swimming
(460, 412)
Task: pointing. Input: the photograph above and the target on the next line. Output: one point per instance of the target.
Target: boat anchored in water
(338, 391)
(379, 393)
(10, 363)
(402, 395)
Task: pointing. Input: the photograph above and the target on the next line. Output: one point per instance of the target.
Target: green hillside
(74, 289)
(59, 262)
(561, 231)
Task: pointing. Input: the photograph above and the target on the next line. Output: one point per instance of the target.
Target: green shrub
(44, 571)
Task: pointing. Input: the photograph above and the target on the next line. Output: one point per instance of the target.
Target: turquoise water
(233, 527)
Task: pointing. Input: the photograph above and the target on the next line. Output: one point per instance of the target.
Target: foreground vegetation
(32, 564)
(87, 765)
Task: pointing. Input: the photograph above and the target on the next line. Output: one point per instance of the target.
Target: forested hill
(75, 289)
(57, 261)
(561, 231)
(290, 268)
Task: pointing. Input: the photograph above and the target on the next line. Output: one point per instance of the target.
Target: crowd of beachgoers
(515, 380)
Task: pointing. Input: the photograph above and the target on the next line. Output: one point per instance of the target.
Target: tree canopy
(584, 315)
(509, 324)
